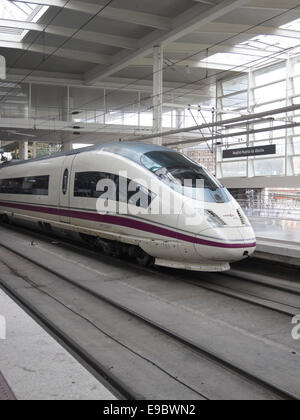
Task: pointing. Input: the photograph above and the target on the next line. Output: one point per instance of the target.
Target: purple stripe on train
(122, 221)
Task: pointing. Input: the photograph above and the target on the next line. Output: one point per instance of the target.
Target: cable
(197, 53)
(274, 55)
(174, 64)
(103, 7)
(194, 118)
(179, 61)
(25, 51)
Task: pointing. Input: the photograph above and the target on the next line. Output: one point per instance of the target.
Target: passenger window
(32, 185)
(65, 182)
(85, 185)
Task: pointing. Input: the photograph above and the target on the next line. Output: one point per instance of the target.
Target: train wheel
(108, 248)
(91, 241)
(143, 259)
(4, 219)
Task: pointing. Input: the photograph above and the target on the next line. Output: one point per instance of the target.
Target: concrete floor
(36, 366)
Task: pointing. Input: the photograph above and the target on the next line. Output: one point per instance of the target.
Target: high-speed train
(133, 199)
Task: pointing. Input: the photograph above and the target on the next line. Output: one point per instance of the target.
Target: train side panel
(36, 205)
(129, 228)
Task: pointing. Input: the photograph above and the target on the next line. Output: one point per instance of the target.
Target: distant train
(63, 192)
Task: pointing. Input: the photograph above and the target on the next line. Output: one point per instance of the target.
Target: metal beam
(238, 134)
(182, 25)
(94, 37)
(236, 28)
(61, 52)
(182, 48)
(272, 4)
(115, 13)
(147, 62)
(250, 117)
(262, 4)
(113, 83)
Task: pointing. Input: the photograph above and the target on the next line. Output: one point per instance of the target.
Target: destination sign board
(269, 149)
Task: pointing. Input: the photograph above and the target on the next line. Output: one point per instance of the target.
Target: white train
(62, 192)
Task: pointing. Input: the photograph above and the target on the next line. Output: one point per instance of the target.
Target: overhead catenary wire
(169, 65)
(249, 117)
(101, 9)
(274, 56)
(162, 134)
(202, 51)
(197, 53)
(41, 34)
(241, 133)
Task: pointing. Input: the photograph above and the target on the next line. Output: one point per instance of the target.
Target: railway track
(285, 301)
(256, 288)
(234, 374)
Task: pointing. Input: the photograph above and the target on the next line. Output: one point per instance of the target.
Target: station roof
(109, 44)
(13, 11)
(102, 41)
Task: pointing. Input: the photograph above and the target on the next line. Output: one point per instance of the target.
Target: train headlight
(213, 219)
(243, 218)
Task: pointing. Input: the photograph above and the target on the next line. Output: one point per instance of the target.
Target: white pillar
(157, 92)
(68, 105)
(67, 146)
(23, 150)
(33, 150)
(179, 118)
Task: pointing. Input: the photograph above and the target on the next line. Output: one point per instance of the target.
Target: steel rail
(213, 356)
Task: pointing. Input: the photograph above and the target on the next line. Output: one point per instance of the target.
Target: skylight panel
(294, 25)
(19, 11)
(273, 44)
(8, 10)
(227, 59)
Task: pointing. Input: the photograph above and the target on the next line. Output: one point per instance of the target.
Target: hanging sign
(269, 149)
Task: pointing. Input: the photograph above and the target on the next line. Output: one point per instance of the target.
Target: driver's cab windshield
(185, 176)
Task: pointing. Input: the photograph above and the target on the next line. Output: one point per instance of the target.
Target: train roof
(130, 150)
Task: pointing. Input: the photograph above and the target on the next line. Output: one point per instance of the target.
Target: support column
(33, 150)
(180, 118)
(157, 92)
(23, 150)
(67, 146)
(68, 106)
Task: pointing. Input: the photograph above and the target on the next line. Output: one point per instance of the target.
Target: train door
(65, 188)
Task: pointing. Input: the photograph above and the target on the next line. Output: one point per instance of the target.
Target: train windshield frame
(184, 175)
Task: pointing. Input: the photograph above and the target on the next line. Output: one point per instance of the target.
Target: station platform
(277, 239)
(34, 366)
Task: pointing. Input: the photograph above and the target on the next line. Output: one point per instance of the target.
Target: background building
(204, 156)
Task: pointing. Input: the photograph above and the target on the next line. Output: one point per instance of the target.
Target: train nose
(228, 245)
